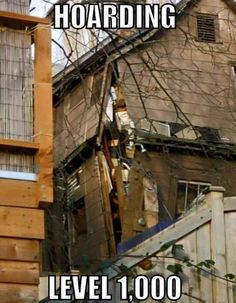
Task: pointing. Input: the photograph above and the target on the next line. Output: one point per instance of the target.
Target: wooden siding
(195, 76)
(76, 119)
(26, 140)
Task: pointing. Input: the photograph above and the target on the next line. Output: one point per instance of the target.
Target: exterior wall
(166, 169)
(178, 79)
(75, 120)
(76, 116)
(77, 236)
(88, 246)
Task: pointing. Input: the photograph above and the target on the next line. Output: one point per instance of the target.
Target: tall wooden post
(22, 195)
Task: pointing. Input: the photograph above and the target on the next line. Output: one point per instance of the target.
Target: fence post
(215, 200)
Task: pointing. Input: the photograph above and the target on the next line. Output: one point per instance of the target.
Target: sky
(41, 7)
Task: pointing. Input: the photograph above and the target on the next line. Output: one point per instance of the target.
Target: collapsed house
(141, 127)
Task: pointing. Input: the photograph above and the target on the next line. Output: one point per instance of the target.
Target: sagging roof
(113, 46)
(98, 55)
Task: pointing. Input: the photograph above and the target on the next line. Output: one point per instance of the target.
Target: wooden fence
(207, 232)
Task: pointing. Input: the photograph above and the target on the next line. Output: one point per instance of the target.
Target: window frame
(216, 27)
(187, 183)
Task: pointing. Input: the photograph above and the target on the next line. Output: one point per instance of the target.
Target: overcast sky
(41, 7)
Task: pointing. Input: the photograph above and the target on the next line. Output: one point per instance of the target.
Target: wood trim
(15, 144)
(20, 21)
(43, 113)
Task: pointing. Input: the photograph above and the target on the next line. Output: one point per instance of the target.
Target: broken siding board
(120, 190)
(19, 272)
(106, 203)
(18, 293)
(21, 223)
(19, 249)
(133, 209)
(186, 272)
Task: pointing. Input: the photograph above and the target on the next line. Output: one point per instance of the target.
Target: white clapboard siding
(205, 235)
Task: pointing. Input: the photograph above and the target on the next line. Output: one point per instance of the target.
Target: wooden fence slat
(106, 203)
(204, 253)
(230, 227)
(190, 247)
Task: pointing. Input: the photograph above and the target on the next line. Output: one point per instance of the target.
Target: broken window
(187, 191)
(207, 28)
(73, 184)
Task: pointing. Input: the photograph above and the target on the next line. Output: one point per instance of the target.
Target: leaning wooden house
(25, 148)
(141, 127)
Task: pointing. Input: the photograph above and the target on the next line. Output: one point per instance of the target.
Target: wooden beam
(43, 113)
(18, 193)
(19, 249)
(20, 21)
(24, 223)
(15, 144)
(106, 204)
(19, 272)
(18, 293)
(120, 191)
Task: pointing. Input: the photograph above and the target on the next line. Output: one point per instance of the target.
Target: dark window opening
(234, 71)
(206, 28)
(79, 221)
(187, 192)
